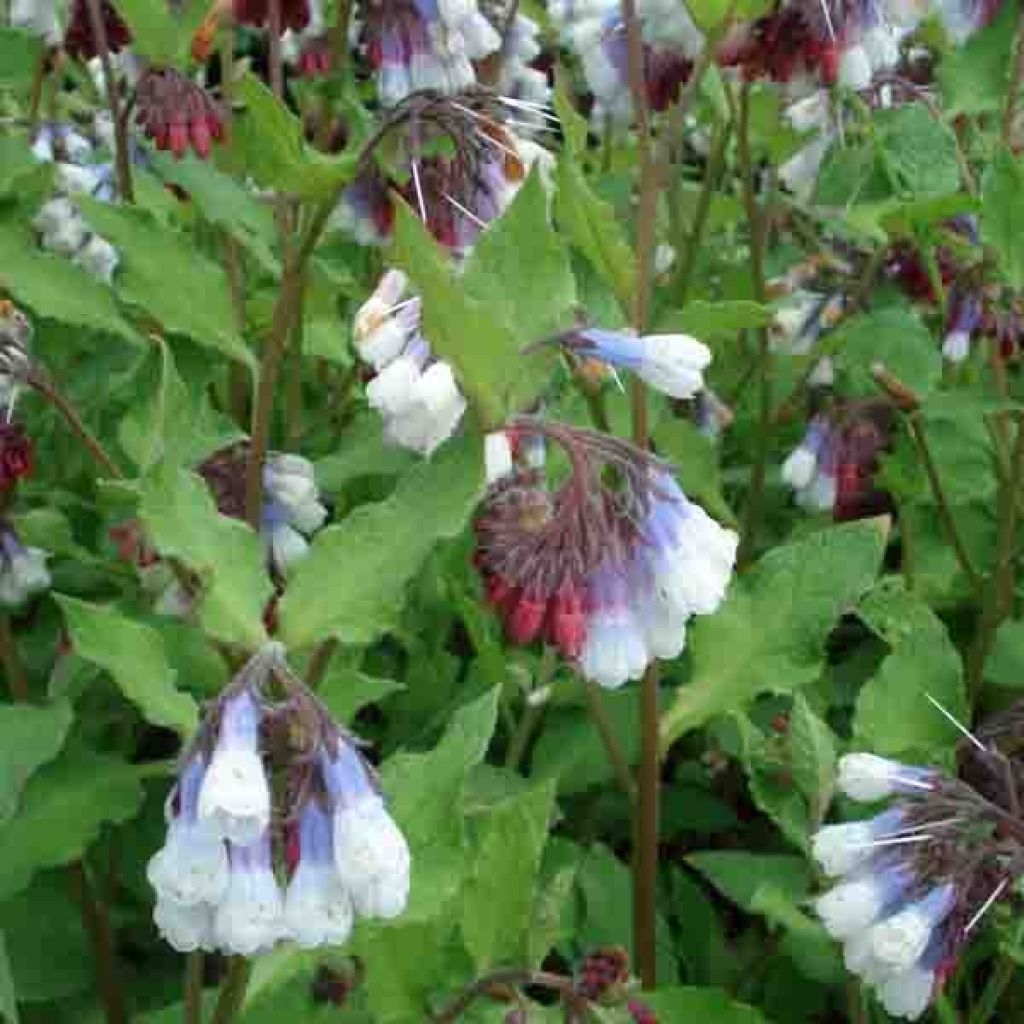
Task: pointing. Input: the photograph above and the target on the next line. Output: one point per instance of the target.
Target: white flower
(908, 993)
(391, 391)
(250, 918)
(38, 17)
(497, 456)
(615, 650)
(192, 865)
(799, 468)
(98, 258)
(185, 927)
(235, 796)
(23, 571)
(674, 364)
(841, 848)
(74, 179)
(851, 906)
(956, 346)
(53, 214)
(67, 238)
(866, 777)
(898, 942)
(855, 70)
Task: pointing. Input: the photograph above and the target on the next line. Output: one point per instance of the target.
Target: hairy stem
(193, 993)
(101, 937)
(232, 990)
(754, 510)
(122, 155)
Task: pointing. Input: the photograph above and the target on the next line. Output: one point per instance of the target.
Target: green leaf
(894, 716)
(974, 76)
(703, 319)
(425, 792)
(8, 1002)
(918, 151)
(894, 337)
(64, 807)
(497, 905)
(770, 635)
(167, 278)
(20, 53)
(134, 657)
(182, 521)
(812, 755)
(1005, 663)
(574, 124)
(741, 876)
(267, 142)
(594, 229)
(154, 30)
(362, 452)
(345, 690)
(707, 1005)
(29, 737)
(806, 942)
(54, 288)
(1002, 215)
(352, 583)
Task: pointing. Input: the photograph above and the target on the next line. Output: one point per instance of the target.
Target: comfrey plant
(276, 826)
(916, 880)
(609, 574)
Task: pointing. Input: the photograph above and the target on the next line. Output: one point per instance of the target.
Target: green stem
(194, 967)
(318, 662)
(232, 990)
(14, 669)
(754, 510)
(534, 710)
(999, 981)
(101, 937)
(616, 755)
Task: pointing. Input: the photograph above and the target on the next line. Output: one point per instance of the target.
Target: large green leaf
(62, 811)
(29, 737)
(20, 53)
(182, 521)
(812, 755)
(498, 899)
(1002, 215)
(770, 634)
(165, 276)
(134, 656)
(708, 1005)
(425, 792)
(974, 77)
(352, 583)
(894, 716)
(8, 1000)
(918, 151)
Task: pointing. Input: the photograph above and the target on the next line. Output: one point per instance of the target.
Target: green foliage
(1002, 214)
(29, 737)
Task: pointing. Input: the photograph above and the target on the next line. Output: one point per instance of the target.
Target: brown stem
(49, 391)
(503, 979)
(274, 42)
(238, 381)
(616, 755)
(232, 990)
(14, 669)
(194, 966)
(753, 512)
(122, 156)
(318, 662)
(338, 36)
(101, 938)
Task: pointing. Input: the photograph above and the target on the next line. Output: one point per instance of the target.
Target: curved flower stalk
(414, 45)
(243, 868)
(607, 574)
(914, 881)
(833, 467)
(595, 32)
(457, 195)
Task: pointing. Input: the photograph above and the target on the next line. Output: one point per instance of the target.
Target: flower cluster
(79, 39)
(416, 394)
(525, 87)
(456, 195)
(833, 467)
(608, 574)
(417, 46)
(229, 843)
(176, 113)
(23, 572)
(915, 880)
(60, 224)
(292, 511)
(595, 31)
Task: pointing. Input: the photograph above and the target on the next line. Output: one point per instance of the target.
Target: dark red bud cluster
(315, 58)
(641, 1012)
(294, 13)
(665, 73)
(780, 45)
(560, 619)
(862, 440)
(15, 454)
(176, 113)
(601, 971)
(79, 39)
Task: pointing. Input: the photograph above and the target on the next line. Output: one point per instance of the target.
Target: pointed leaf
(29, 737)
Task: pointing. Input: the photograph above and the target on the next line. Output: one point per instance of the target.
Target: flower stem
(754, 510)
(232, 990)
(276, 60)
(49, 391)
(122, 156)
(194, 965)
(101, 938)
(616, 755)
(14, 669)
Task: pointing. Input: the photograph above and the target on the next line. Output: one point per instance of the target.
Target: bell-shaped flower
(250, 917)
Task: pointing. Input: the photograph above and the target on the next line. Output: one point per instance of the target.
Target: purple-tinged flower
(292, 511)
(186, 927)
(370, 853)
(867, 777)
(176, 113)
(965, 318)
(841, 848)
(23, 572)
(235, 795)
(250, 917)
(671, 363)
(318, 908)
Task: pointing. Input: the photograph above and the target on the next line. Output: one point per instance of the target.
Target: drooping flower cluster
(176, 113)
(292, 511)
(455, 193)
(609, 573)
(416, 394)
(833, 467)
(915, 880)
(79, 39)
(231, 844)
(61, 226)
(430, 44)
(595, 32)
(23, 572)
